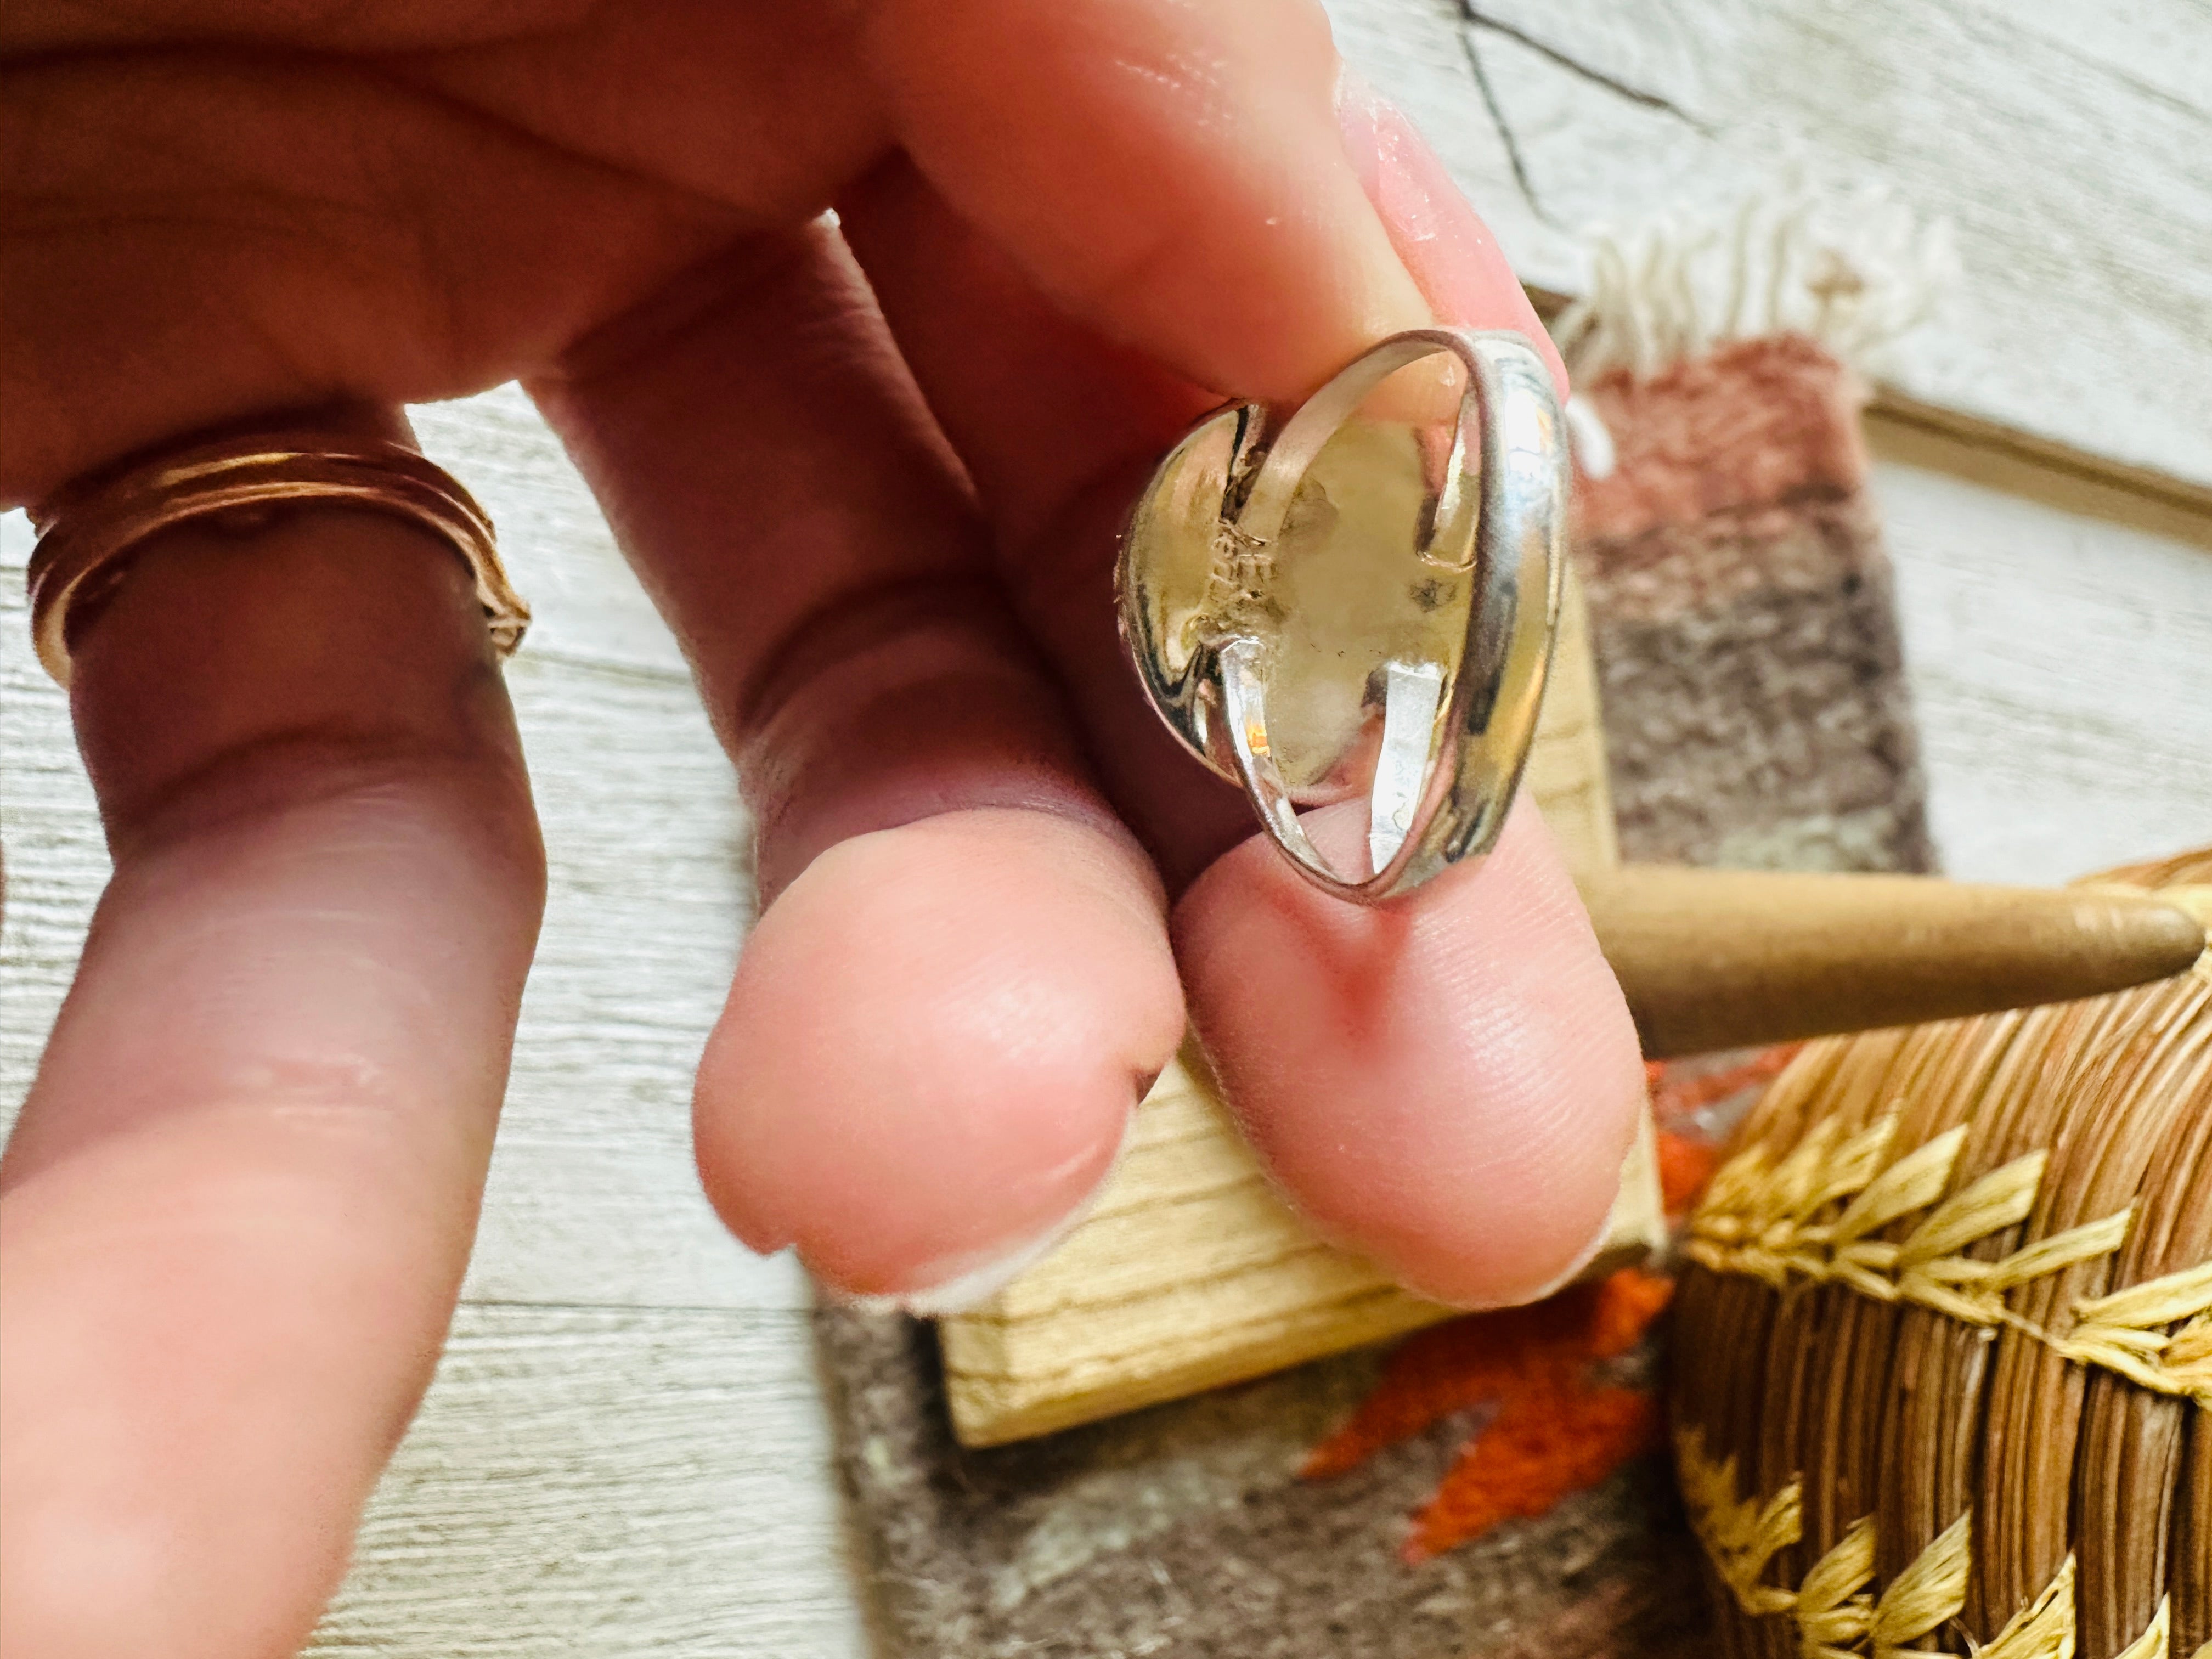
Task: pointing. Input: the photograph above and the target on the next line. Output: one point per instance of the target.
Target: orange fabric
(1553, 1431)
(1552, 1438)
(1627, 1303)
(1684, 1166)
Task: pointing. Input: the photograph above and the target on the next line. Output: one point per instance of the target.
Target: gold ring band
(85, 530)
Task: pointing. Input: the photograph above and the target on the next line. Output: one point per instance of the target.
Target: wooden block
(1566, 775)
(1190, 1272)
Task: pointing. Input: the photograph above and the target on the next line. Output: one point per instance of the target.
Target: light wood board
(1191, 1272)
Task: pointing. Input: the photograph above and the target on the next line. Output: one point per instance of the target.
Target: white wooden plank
(607, 1483)
(56, 859)
(2058, 639)
(2067, 148)
(592, 1196)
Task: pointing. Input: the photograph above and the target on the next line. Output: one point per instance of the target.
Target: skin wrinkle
(360, 776)
(859, 682)
(779, 157)
(310, 1079)
(738, 213)
(283, 1203)
(796, 825)
(370, 921)
(242, 212)
(861, 621)
(383, 971)
(691, 301)
(356, 1128)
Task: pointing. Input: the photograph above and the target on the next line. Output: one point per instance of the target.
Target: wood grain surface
(2058, 629)
(625, 1452)
(1192, 1272)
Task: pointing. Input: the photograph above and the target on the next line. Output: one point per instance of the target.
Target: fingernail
(1634, 1220)
(1358, 106)
(1438, 236)
(961, 1284)
(1444, 243)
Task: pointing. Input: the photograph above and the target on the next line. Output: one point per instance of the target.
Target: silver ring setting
(1342, 599)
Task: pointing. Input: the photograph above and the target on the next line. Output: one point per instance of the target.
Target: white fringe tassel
(1855, 274)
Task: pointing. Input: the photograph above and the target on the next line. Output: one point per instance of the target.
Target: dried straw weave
(1944, 1336)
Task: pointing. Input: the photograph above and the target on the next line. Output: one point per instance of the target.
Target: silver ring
(1334, 601)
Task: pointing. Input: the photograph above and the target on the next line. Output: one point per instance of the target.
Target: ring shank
(1487, 720)
(85, 533)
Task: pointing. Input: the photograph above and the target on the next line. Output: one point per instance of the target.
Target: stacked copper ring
(88, 533)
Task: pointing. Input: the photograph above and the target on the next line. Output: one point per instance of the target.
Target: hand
(872, 474)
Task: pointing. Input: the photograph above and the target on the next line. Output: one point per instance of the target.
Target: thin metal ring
(86, 530)
(1453, 746)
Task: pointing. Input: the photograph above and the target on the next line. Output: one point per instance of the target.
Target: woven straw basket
(1944, 1336)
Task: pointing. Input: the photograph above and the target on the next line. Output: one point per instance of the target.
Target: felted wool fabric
(1755, 714)
(1743, 612)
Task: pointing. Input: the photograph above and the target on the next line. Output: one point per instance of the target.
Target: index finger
(1171, 173)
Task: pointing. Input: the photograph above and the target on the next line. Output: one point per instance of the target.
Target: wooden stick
(1726, 959)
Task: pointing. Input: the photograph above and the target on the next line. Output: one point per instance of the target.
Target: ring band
(1211, 586)
(86, 530)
